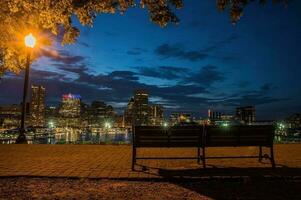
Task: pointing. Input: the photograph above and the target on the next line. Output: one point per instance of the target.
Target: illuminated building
(99, 112)
(213, 115)
(70, 106)
(294, 121)
(51, 116)
(155, 115)
(227, 117)
(129, 114)
(177, 118)
(10, 116)
(119, 122)
(37, 106)
(70, 110)
(141, 108)
(246, 114)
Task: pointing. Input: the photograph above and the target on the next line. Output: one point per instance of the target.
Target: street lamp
(30, 42)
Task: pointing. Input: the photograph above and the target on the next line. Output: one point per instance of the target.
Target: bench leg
(204, 158)
(260, 154)
(272, 157)
(133, 158)
(198, 156)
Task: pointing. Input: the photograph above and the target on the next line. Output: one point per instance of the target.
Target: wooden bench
(202, 138)
(240, 136)
(152, 136)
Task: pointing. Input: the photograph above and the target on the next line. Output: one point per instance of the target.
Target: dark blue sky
(203, 62)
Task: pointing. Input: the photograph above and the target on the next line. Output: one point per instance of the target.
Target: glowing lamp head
(30, 40)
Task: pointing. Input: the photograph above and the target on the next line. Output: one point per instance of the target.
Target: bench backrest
(239, 135)
(197, 136)
(182, 136)
(186, 136)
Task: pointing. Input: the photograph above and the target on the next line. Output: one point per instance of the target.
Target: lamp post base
(21, 139)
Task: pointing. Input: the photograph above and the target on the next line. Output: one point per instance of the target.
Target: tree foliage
(236, 7)
(48, 18)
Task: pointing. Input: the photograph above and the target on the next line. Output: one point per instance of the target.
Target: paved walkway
(114, 162)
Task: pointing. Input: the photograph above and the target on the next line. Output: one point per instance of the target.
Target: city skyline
(186, 69)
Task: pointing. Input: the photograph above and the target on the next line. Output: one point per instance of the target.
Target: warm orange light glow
(30, 40)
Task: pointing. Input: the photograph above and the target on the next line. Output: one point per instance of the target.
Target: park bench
(202, 138)
(240, 136)
(156, 136)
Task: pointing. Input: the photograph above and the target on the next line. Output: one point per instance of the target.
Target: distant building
(155, 115)
(119, 122)
(214, 115)
(246, 114)
(129, 114)
(226, 117)
(10, 116)
(294, 121)
(70, 105)
(141, 108)
(99, 112)
(70, 110)
(177, 118)
(37, 106)
(51, 116)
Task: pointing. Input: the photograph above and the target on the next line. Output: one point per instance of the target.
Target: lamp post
(30, 42)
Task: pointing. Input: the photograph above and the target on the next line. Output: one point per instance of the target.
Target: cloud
(84, 44)
(218, 44)
(126, 75)
(176, 51)
(163, 72)
(206, 76)
(267, 87)
(62, 56)
(251, 99)
(257, 97)
(74, 68)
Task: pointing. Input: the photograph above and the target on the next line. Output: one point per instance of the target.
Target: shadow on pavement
(239, 183)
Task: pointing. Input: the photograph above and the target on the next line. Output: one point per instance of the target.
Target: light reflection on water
(69, 137)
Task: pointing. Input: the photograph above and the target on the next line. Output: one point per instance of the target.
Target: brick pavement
(114, 162)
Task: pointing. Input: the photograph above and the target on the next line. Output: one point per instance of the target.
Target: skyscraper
(99, 112)
(141, 108)
(129, 114)
(155, 115)
(69, 110)
(246, 114)
(37, 106)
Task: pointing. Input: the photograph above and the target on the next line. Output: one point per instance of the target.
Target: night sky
(203, 62)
